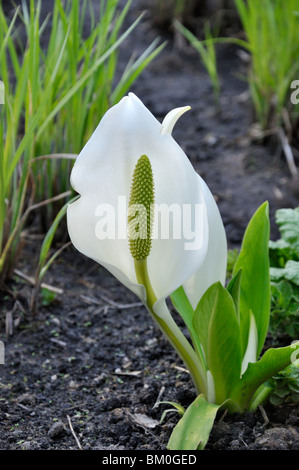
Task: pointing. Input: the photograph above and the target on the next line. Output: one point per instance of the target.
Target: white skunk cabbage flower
(131, 160)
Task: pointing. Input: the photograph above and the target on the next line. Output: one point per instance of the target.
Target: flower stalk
(162, 317)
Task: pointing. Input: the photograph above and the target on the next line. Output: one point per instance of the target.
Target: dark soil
(91, 364)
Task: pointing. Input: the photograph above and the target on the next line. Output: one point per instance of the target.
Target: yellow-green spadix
(140, 210)
(103, 174)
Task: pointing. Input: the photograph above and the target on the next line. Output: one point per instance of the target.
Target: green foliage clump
(285, 385)
(284, 274)
(58, 81)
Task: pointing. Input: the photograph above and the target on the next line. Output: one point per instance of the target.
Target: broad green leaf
(193, 430)
(253, 259)
(216, 325)
(273, 361)
(234, 290)
(183, 306)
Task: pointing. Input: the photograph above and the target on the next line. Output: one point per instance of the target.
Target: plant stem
(167, 325)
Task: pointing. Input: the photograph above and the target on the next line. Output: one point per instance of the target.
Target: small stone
(27, 445)
(144, 420)
(210, 140)
(56, 430)
(27, 399)
(73, 385)
(235, 444)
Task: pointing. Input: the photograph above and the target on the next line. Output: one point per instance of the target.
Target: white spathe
(214, 266)
(103, 172)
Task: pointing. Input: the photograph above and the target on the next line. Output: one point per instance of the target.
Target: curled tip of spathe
(171, 118)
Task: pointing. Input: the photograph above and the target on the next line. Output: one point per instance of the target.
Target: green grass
(207, 52)
(271, 30)
(272, 34)
(55, 95)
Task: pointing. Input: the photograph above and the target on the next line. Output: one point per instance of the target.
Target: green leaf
(290, 272)
(232, 256)
(47, 296)
(276, 274)
(132, 72)
(193, 430)
(282, 293)
(176, 407)
(255, 292)
(288, 221)
(284, 317)
(216, 325)
(234, 290)
(279, 251)
(80, 82)
(51, 232)
(273, 361)
(183, 306)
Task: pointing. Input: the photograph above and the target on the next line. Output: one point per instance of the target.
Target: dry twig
(111, 302)
(288, 153)
(73, 432)
(31, 281)
(264, 415)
